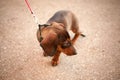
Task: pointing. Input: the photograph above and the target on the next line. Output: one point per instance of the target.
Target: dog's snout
(75, 53)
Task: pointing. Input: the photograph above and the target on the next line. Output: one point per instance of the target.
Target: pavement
(98, 55)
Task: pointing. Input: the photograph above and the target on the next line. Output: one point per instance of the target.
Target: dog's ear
(63, 36)
(49, 44)
(64, 39)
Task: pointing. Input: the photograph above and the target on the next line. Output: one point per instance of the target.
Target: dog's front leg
(56, 58)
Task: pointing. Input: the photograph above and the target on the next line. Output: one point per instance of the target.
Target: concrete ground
(98, 55)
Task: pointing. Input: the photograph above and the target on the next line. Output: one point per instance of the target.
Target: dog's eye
(66, 45)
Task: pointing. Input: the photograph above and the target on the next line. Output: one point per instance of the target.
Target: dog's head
(67, 48)
(49, 44)
(65, 44)
(57, 39)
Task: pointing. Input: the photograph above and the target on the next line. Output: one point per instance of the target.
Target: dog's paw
(54, 63)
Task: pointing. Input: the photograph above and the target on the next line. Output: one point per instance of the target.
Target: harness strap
(41, 38)
(44, 25)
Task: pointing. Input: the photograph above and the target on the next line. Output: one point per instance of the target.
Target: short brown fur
(56, 38)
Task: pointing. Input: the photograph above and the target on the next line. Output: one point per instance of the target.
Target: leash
(35, 19)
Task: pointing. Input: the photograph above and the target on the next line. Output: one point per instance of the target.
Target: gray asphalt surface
(98, 55)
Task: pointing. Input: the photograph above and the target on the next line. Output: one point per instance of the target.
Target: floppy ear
(49, 44)
(64, 39)
(63, 36)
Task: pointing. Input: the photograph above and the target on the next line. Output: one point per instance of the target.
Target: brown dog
(56, 38)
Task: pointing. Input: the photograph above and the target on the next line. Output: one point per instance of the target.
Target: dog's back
(67, 18)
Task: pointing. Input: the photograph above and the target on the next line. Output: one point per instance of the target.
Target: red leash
(35, 18)
(29, 6)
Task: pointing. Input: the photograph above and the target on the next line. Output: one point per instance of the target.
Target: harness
(45, 25)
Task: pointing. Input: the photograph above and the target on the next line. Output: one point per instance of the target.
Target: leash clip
(41, 38)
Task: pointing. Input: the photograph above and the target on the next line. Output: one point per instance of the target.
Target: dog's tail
(82, 35)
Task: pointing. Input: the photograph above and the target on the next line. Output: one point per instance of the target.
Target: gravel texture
(98, 55)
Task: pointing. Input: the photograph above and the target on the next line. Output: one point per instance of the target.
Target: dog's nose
(75, 53)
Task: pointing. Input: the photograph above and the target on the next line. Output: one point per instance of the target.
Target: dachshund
(56, 38)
